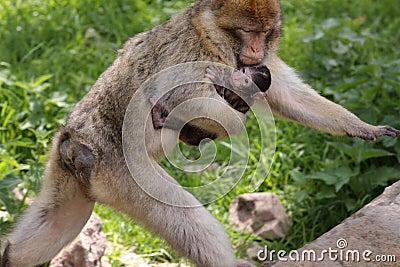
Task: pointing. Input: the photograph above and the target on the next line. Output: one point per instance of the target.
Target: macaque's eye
(245, 30)
(246, 80)
(243, 70)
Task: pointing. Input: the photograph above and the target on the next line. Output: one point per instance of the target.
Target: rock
(252, 251)
(86, 250)
(244, 263)
(370, 237)
(261, 214)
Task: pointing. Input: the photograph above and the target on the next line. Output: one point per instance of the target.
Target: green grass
(51, 52)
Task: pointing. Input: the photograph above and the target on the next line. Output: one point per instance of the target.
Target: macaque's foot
(378, 132)
(77, 158)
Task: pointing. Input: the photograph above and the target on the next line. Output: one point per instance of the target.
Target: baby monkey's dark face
(241, 93)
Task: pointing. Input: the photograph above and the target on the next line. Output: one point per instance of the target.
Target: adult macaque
(232, 32)
(238, 87)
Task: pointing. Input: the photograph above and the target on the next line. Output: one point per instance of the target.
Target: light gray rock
(252, 252)
(86, 250)
(372, 232)
(261, 214)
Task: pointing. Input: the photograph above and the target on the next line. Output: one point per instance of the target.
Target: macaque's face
(252, 51)
(253, 26)
(240, 81)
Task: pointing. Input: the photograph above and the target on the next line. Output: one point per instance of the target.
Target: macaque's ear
(217, 4)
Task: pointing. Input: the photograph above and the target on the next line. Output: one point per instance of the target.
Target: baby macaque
(239, 88)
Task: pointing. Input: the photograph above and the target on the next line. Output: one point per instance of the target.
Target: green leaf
(360, 151)
(342, 147)
(325, 193)
(37, 84)
(299, 177)
(340, 48)
(344, 174)
(374, 153)
(330, 23)
(300, 195)
(352, 83)
(351, 36)
(381, 176)
(351, 204)
(327, 177)
(397, 148)
(316, 35)
(335, 176)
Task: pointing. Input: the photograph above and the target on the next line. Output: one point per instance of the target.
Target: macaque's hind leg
(55, 218)
(192, 230)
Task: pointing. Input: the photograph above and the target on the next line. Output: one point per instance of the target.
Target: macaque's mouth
(250, 61)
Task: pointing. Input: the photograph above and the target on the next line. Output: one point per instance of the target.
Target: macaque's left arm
(292, 99)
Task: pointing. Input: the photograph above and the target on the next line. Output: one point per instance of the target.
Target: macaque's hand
(377, 132)
(216, 75)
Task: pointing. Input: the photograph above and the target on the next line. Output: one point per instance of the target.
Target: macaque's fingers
(378, 131)
(389, 131)
(211, 72)
(216, 70)
(210, 76)
(367, 137)
(383, 130)
(216, 75)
